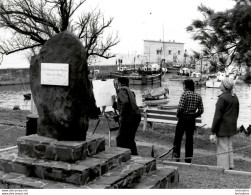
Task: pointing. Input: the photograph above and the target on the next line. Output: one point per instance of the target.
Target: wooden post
(145, 121)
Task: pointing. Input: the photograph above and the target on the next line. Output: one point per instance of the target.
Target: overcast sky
(138, 20)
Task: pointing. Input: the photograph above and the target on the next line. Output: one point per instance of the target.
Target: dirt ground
(156, 143)
(161, 138)
(159, 142)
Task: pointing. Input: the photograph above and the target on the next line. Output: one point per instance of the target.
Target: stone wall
(14, 76)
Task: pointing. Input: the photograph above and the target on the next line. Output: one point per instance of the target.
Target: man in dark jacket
(130, 116)
(190, 107)
(225, 123)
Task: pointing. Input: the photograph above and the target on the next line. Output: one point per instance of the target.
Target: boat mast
(134, 62)
(201, 58)
(163, 55)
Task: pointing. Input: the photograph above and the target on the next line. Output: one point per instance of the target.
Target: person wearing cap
(190, 107)
(130, 115)
(224, 124)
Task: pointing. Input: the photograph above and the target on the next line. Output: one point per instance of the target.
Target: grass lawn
(13, 125)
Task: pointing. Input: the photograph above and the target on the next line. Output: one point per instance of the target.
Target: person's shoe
(176, 157)
(231, 168)
(188, 160)
(248, 131)
(241, 129)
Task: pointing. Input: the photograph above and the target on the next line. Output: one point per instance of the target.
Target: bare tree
(32, 22)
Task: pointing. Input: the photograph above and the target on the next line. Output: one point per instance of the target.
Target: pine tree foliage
(225, 35)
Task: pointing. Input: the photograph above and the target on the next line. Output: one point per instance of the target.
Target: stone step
(79, 173)
(40, 147)
(138, 173)
(125, 175)
(165, 177)
(20, 181)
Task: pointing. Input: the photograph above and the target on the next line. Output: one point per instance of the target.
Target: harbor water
(12, 95)
(209, 98)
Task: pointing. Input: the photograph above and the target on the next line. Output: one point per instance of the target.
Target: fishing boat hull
(156, 93)
(143, 80)
(215, 80)
(195, 76)
(116, 74)
(217, 84)
(211, 84)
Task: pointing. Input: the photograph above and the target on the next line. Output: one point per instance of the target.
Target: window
(158, 52)
(178, 52)
(170, 52)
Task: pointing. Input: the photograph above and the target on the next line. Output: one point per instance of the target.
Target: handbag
(213, 138)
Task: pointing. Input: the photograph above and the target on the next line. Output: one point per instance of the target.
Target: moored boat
(156, 97)
(214, 80)
(157, 102)
(195, 76)
(182, 74)
(177, 65)
(138, 79)
(156, 93)
(145, 75)
(184, 71)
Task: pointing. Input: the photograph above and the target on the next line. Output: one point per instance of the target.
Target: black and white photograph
(135, 94)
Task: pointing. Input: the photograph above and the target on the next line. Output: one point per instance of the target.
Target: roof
(160, 41)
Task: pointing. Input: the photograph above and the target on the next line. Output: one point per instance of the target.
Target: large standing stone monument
(61, 88)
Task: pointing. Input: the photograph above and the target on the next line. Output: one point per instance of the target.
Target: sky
(138, 20)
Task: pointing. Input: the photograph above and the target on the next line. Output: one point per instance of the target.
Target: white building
(155, 51)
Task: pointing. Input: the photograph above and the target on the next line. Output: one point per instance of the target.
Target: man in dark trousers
(190, 107)
(130, 116)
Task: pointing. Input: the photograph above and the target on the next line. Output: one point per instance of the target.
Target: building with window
(155, 51)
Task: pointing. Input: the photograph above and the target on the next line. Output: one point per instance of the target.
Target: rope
(7, 129)
(214, 154)
(1, 132)
(196, 157)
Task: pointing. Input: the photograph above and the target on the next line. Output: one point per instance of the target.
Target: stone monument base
(44, 163)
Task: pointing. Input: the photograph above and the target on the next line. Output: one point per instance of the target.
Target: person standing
(130, 116)
(224, 124)
(189, 108)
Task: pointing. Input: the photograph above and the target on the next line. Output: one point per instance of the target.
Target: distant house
(155, 51)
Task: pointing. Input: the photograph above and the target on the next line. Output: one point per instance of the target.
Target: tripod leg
(109, 138)
(96, 126)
